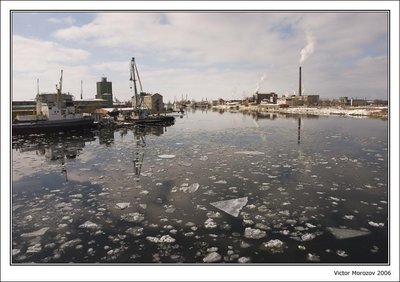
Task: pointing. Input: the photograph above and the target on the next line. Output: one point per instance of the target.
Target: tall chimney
(299, 81)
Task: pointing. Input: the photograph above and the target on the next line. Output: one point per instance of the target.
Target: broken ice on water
(251, 153)
(232, 207)
(340, 233)
(254, 233)
(274, 246)
(123, 205)
(36, 233)
(166, 156)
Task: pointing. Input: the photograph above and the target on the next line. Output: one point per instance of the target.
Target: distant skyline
(202, 55)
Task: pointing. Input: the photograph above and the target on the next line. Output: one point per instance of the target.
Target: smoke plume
(308, 49)
(263, 77)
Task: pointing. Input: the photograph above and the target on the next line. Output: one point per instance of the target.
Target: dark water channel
(143, 196)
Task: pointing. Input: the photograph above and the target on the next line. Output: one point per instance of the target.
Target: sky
(202, 55)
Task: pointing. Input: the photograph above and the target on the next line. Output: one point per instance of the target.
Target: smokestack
(300, 81)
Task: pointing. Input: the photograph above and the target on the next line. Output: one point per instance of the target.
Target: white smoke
(263, 77)
(308, 49)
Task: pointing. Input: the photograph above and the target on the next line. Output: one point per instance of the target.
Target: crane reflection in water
(140, 132)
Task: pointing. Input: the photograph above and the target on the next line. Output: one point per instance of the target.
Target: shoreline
(371, 112)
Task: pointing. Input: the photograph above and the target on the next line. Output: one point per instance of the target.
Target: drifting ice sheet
(231, 207)
(340, 233)
(251, 153)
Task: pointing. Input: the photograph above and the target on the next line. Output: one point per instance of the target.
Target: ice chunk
(254, 233)
(34, 249)
(15, 252)
(193, 188)
(342, 253)
(220, 182)
(313, 257)
(210, 223)
(36, 233)
(244, 259)
(89, 225)
(274, 246)
(251, 153)
(70, 243)
(340, 233)
(212, 257)
(203, 158)
(374, 224)
(307, 237)
(166, 239)
(231, 207)
(135, 231)
(152, 239)
(123, 205)
(133, 217)
(166, 156)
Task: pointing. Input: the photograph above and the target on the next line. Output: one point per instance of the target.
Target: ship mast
(59, 89)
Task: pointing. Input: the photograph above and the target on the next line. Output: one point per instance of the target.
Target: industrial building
(104, 91)
(152, 102)
(267, 97)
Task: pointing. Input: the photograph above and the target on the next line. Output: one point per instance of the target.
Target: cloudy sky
(204, 55)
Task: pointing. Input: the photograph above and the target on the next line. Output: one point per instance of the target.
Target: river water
(312, 189)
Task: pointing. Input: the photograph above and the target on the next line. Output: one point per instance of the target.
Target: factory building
(104, 91)
(153, 102)
(266, 97)
(23, 108)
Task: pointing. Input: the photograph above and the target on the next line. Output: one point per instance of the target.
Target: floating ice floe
(203, 158)
(251, 153)
(307, 237)
(166, 156)
(36, 233)
(123, 205)
(34, 249)
(340, 233)
(254, 233)
(89, 225)
(313, 257)
(374, 224)
(166, 239)
(15, 252)
(274, 246)
(210, 223)
(189, 189)
(220, 182)
(232, 207)
(212, 257)
(342, 253)
(133, 217)
(244, 260)
(70, 243)
(135, 231)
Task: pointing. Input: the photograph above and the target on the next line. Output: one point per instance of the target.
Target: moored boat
(52, 115)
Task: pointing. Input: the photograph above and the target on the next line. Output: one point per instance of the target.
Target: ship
(52, 115)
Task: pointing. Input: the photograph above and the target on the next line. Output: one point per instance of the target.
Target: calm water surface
(144, 196)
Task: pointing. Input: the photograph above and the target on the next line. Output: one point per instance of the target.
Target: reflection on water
(143, 194)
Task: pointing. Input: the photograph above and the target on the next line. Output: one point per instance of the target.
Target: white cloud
(35, 59)
(214, 54)
(62, 20)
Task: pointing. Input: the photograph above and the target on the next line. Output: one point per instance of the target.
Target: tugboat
(52, 115)
(141, 114)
